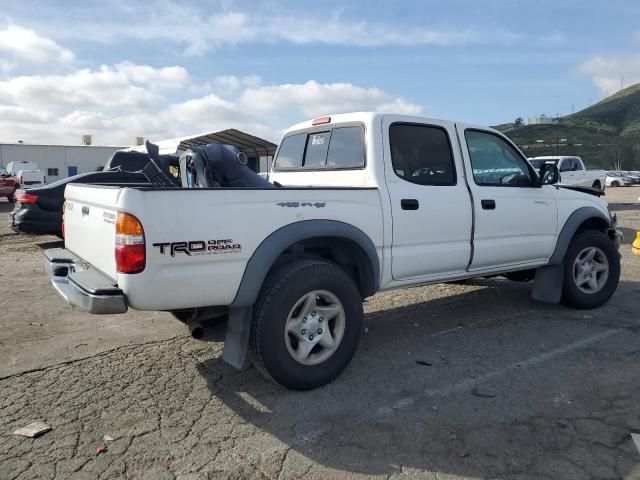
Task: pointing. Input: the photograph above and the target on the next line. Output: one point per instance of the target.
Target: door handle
(488, 204)
(409, 204)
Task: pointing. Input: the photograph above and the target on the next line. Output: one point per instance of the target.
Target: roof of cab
(370, 117)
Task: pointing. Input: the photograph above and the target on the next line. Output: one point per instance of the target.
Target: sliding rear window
(337, 148)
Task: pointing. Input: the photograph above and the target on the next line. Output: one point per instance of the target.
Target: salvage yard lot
(470, 380)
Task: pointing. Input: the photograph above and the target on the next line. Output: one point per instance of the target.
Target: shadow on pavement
(480, 384)
(619, 207)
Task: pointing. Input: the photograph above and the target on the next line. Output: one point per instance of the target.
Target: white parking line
(481, 322)
(405, 402)
(471, 382)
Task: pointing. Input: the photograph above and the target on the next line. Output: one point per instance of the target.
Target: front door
(515, 221)
(430, 204)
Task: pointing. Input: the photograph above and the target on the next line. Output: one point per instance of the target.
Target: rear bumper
(32, 219)
(82, 286)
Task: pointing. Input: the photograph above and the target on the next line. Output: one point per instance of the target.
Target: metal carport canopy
(252, 146)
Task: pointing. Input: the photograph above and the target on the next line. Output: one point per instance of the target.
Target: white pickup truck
(573, 172)
(369, 202)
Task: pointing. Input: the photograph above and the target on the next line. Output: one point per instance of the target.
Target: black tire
(11, 197)
(281, 291)
(597, 185)
(571, 293)
(615, 183)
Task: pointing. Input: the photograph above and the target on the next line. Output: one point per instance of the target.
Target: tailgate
(90, 225)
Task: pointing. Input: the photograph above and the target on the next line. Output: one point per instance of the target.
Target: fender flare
(277, 242)
(570, 228)
(547, 286)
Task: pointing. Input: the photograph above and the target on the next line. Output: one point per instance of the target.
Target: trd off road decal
(199, 247)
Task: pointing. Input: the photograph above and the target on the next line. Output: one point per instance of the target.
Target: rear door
(567, 172)
(430, 204)
(515, 221)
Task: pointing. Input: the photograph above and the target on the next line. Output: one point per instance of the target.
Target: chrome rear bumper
(82, 286)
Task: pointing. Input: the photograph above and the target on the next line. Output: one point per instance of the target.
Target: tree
(519, 121)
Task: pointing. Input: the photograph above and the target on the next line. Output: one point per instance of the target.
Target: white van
(31, 178)
(14, 167)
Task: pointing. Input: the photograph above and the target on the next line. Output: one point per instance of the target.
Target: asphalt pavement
(451, 381)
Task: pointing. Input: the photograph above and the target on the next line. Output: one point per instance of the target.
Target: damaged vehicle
(357, 203)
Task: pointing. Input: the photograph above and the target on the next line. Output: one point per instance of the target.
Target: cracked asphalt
(456, 381)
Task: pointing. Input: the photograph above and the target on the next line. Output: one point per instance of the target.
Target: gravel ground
(450, 382)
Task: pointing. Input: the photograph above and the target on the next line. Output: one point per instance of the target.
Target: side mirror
(549, 175)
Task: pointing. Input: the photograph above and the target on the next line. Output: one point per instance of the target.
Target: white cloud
(313, 99)
(163, 78)
(117, 103)
(26, 44)
(200, 32)
(607, 72)
(126, 86)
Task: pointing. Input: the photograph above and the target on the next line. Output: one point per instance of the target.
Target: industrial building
(60, 161)
(57, 161)
(541, 120)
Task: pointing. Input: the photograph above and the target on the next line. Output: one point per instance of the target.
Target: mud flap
(236, 341)
(547, 286)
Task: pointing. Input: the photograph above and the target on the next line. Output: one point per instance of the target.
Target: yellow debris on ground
(635, 246)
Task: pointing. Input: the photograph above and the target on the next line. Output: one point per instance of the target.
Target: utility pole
(557, 134)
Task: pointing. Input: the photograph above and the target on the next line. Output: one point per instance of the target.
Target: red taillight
(130, 245)
(321, 121)
(24, 197)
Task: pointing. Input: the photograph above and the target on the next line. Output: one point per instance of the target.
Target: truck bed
(229, 223)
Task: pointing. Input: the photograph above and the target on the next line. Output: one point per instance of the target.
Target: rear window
(340, 147)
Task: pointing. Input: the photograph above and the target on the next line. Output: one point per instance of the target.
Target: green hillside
(606, 134)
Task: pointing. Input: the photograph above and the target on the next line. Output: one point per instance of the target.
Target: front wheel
(306, 324)
(591, 270)
(597, 185)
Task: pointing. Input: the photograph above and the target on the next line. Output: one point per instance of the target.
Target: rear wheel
(597, 185)
(306, 325)
(591, 270)
(615, 183)
(11, 197)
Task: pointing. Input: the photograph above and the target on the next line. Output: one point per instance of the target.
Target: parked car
(31, 178)
(39, 210)
(8, 184)
(15, 166)
(616, 179)
(634, 177)
(363, 209)
(573, 171)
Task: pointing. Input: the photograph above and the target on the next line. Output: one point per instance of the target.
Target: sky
(119, 69)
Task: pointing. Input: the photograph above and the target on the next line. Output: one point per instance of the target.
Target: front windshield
(537, 164)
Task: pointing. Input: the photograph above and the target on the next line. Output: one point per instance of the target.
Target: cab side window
(495, 162)
(421, 154)
(577, 166)
(567, 165)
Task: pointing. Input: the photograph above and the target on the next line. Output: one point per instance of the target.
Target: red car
(8, 184)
